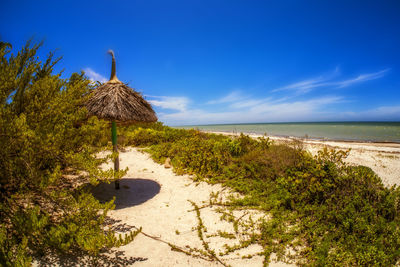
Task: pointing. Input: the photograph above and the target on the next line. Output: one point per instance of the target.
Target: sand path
(154, 198)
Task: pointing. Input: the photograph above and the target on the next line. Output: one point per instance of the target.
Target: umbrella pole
(115, 149)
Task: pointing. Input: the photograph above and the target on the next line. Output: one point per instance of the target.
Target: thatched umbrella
(117, 102)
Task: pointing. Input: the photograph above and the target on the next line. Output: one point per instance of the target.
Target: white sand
(169, 215)
(157, 200)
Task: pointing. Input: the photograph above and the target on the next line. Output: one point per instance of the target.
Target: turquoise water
(347, 131)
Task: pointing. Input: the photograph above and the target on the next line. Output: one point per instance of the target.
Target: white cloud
(232, 97)
(296, 108)
(309, 110)
(303, 86)
(388, 110)
(306, 86)
(237, 100)
(254, 110)
(383, 113)
(247, 103)
(362, 78)
(169, 102)
(94, 76)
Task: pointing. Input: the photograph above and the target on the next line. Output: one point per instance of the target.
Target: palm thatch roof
(115, 101)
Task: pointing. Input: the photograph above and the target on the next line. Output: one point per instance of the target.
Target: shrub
(47, 151)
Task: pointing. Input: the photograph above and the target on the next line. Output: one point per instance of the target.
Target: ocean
(338, 131)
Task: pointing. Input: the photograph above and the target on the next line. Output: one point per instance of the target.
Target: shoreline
(382, 158)
(330, 142)
(363, 132)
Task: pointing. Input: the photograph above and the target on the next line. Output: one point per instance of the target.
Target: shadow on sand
(132, 192)
(113, 259)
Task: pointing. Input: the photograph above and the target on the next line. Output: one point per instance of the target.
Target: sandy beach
(161, 202)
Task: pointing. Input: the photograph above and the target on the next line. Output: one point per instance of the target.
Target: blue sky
(204, 62)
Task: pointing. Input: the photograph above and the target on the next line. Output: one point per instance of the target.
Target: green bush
(146, 134)
(48, 147)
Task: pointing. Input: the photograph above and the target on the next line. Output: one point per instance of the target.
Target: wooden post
(115, 149)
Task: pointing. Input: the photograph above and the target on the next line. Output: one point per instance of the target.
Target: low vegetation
(47, 155)
(327, 212)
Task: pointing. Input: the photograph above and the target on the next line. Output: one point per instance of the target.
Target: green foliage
(146, 134)
(329, 213)
(353, 217)
(48, 147)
